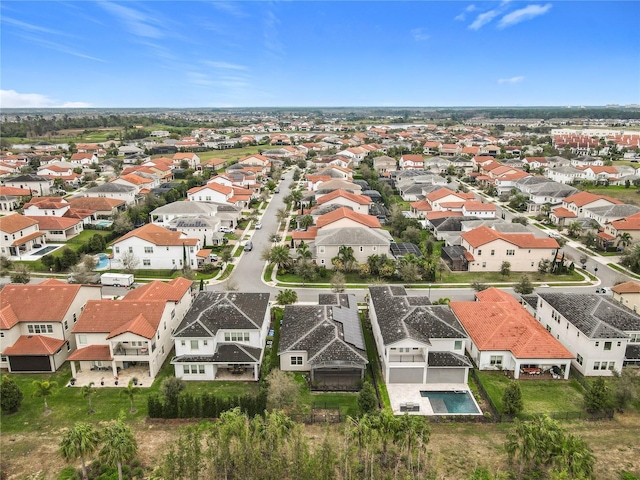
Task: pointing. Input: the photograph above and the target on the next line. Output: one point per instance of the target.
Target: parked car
(277, 190)
(554, 235)
(258, 225)
(248, 246)
(226, 230)
(603, 290)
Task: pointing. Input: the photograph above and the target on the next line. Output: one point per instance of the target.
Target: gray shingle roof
(111, 188)
(448, 359)
(594, 315)
(353, 236)
(212, 311)
(400, 317)
(632, 352)
(236, 353)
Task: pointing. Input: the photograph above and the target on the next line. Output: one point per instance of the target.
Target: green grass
(347, 401)
(618, 268)
(268, 272)
(539, 396)
(627, 195)
(372, 356)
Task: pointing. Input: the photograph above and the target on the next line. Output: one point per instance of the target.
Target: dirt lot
(455, 448)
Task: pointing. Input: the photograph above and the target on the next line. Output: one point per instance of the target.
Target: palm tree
(303, 251)
(78, 442)
(44, 388)
(282, 214)
(574, 229)
(130, 391)
(346, 256)
(118, 445)
(278, 255)
(624, 239)
(87, 392)
(305, 221)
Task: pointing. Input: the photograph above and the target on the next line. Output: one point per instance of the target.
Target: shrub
(10, 395)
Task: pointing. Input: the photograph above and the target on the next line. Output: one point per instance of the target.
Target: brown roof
(55, 223)
(14, 191)
(158, 236)
(499, 322)
(167, 291)
(26, 238)
(343, 212)
(632, 222)
(483, 235)
(584, 198)
(92, 352)
(361, 199)
(627, 287)
(48, 301)
(15, 222)
(119, 316)
(561, 212)
(34, 345)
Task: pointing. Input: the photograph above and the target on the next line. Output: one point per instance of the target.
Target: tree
(121, 224)
(512, 399)
(305, 221)
(630, 258)
(283, 392)
(44, 388)
(338, 282)
(624, 239)
(5, 265)
(478, 287)
(345, 260)
(171, 388)
(79, 441)
(303, 251)
(286, 297)
(624, 389)
(409, 272)
(68, 258)
(411, 235)
(598, 396)
(10, 395)
(524, 286)
(129, 262)
(505, 269)
(305, 270)
(87, 392)
(574, 229)
(282, 214)
(118, 445)
(21, 274)
(130, 391)
(278, 255)
(367, 400)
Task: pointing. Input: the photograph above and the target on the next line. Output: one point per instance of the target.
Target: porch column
(516, 371)
(73, 369)
(114, 369)
(567, 368)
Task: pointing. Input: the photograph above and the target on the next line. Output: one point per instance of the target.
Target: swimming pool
(446, 403)
(103, 261)
(103, 223)
(44, 251)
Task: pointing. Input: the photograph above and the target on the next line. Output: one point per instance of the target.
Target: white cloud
(13, 99)
(32, 28)
(224, 65)
(523, 14)
(138, 23)
(482, 19)
(511, 80)
(462, 17)
(418, 35)
(230, 8)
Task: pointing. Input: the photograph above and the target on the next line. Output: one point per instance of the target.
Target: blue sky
(313, 53)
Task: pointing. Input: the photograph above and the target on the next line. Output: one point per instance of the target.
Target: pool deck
(409, 393)
(32, 256)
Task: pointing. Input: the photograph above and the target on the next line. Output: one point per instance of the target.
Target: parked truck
(117, 279)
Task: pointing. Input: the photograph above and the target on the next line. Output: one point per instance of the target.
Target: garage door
(445, 375)
(405, 375)
(30, 364)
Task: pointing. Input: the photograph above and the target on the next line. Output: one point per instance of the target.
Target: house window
(607, 345)
(484, 264)
(493, 252)
(165, 324)
(579, 358)
(549, 328)
(194, 369)
(457, 345)
(82, 339)
(496, 360)
(612, 365)
(619, 344)
(194, 344)
(37, 328)
(597, 344)
(296, 360)
(173, 261)
(68, 346)
(511, 253)
(205, 343)
(182, 343)
(321, 250)
(4, 359)
(186, 370)
(201, 369)
(596, 365)
(130, 249)
(162, 349)
(146, 262)
(75, 318)
(117, 249)
(362, 249)
(479, 252)
(148, 249)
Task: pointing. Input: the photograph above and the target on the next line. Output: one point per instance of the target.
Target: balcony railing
(407, 358)
(121, 350)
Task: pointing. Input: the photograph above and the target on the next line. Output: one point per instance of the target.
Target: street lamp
(429, 291)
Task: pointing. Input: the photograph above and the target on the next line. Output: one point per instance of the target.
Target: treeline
(206, 405)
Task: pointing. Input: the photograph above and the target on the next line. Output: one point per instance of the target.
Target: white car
(258, 225)
(226, 229)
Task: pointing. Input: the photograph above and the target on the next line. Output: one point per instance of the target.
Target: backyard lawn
(539, 396)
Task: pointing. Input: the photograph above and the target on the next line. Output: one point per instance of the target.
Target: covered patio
(95, 364)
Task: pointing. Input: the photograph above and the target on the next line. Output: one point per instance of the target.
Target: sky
(189, 54)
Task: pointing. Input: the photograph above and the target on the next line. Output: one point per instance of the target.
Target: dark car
(248, 246)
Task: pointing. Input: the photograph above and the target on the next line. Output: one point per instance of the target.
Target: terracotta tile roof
(442, 214)
(183, 155)
(451, 204)
(421, 206)
(34, 345)
(360, 199)
(47, 202)
(204, 253)
(309, 234)
(8, 318)
(627, 287)
(92, 352)
(172, 291)
(476, 206)
(343, 212)
(470, 150)
(561, 212)
(15, 222)
(14, 191)
(499, 323)
(26, 238)
(115, 317)
(81, 156)
(216, 187)
(96, 203)
(632, 222)
(605, 236)
(135, 179)
(158, 236)
(514, 176)
(413, 158)
(443, 192)
(468, 256)
(584, 198)
(483, 235)
(55, 223)
(47, 301)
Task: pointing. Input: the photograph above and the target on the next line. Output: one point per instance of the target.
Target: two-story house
(117, 191)
(358, 203)
(19, 235)
(222, 337)
(594, 328)
(118, 334)
(325, 340)
(155, 247)
(36, 321)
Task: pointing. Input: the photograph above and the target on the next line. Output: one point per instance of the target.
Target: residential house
(384, 164)
(488, 248)
(575, 206)
(358, 203)
(39, 186)
(20, 235)
(118, 334)
(411, 162)
(143, 182)
(222, 194)
(192, 159)
(84, 158)
(628, 294)
(417, 342)
(12, 198)
(475, 208)
(102, 206)
(36, 322)
(222, 337)
(505, 336)
(565, 174)
(594, 328)
(256, 161)
(155, 247)
(617, 228)
(325, 340)
(113, 190)
(445, 196)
